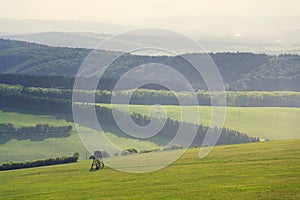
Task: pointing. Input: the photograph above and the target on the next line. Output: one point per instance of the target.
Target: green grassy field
(29, 118)
(267, 170)
(264, 122)
(21, 150)
(273, 123)
(24, 150)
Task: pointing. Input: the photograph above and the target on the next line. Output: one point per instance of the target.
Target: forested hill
(240, 71)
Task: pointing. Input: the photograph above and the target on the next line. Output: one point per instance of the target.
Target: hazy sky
(130, 12)
(278, 20)
(239, 21)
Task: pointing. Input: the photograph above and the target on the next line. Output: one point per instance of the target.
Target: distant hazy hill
(59, 39)
(271, 35)
(240, 71)
(210, 44)
(29, 26)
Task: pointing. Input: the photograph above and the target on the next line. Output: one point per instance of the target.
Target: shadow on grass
(114, 129)
(32, 137)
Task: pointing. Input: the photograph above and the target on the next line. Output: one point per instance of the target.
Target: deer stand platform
(97, 161)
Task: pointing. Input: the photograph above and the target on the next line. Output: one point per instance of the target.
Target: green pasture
(266, 170)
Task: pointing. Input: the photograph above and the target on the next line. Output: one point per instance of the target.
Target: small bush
(125, 152)
(149, 151)
(128, 151)
(174, 146)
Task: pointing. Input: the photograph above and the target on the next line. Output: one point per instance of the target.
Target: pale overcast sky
(135, 11)
(239, 18)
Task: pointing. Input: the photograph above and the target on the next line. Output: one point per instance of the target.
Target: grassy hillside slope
(33, 148)
(272, 123)
(268, 170)
(263, 122)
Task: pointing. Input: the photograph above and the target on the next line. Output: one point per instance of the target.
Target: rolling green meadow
(265, 170)
(30, 149)
(256, 157)
(265, 122)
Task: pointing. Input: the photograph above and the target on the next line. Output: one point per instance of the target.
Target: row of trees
(43, 104)
(255, 98)
(58, 81)
(163, 97)
(39, 163)
(41, 129)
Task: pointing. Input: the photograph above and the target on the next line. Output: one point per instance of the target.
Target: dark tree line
(33, 133)
(42, 129)
(67, 82)
(163, 97)
(43, 104)
(168, 131)
(39, 163)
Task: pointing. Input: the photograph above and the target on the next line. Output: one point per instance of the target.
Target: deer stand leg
(97, 164)
(92, 167)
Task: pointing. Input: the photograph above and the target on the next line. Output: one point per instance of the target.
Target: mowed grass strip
(267, 170)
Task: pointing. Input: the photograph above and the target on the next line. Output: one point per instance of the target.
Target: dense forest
(240, 71)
